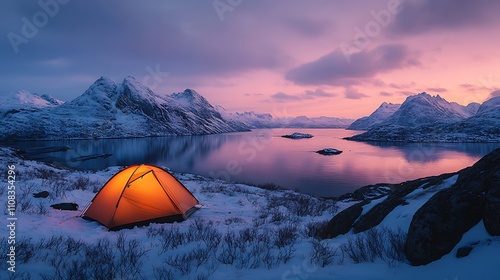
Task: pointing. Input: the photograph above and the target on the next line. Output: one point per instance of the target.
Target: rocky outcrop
(297, 135)
(351, 217)
(377, 214)
(491, 211)
(439, 224)
(458, 201)
(329, 152)
(342, 222)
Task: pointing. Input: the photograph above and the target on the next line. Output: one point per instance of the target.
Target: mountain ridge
(130, 109)
(426, 118)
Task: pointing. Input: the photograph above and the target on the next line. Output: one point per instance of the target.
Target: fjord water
(262, 156)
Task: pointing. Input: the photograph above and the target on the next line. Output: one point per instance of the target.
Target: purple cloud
(495, 93)
(308, 94)
(428, 15)
(352, 93)
(334, 69)
(283, 97)
(437, 89)
(385, 93)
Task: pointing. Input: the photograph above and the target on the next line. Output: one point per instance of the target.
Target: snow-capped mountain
(423, 109)
(381, 114)
(424, 117)
(26, 100)
(128, 109)
(257, 120)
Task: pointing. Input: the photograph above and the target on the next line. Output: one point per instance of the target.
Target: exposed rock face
(378, 213)
(439, 224)
(458, 201)
(350, 218)
(342, 222)
(491, 212)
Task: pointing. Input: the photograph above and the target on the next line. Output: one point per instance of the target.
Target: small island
(297, 135)
(329, 152)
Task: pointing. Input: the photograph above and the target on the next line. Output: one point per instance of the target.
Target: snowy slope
(270, 233)
(128, 109)
(422, 109)
(381, 114)
(424, 117)
(26, 100)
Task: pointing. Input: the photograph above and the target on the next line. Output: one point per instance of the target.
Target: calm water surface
(262, 156)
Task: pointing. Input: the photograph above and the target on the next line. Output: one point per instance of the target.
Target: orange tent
(139, 195)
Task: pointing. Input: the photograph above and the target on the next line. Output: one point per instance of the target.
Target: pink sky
(287, 58)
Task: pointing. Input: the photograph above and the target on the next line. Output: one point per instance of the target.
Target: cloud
(407, 93)
(402, 86)
(334, 69)
(385, 93)
(308, 94)
(495, 93)
(308, 27)
(352, 93)
(253, 94)
(281, 96)
(429, 15)
(437, 89)
(475, 88)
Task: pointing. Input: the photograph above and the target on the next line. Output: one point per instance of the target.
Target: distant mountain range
(426, 118)
(130, 109)
(256, 120)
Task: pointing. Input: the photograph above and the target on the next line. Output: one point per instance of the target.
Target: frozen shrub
(163, 273)
(322, 254)
(384, 243)
(315, 229)
(81, 183)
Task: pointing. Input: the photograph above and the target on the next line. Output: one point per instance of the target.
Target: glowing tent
(139, 195)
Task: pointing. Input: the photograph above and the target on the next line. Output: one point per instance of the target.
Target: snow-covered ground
(241, 232)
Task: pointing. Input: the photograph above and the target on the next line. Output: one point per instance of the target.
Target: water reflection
(262, 156)
(430, 152)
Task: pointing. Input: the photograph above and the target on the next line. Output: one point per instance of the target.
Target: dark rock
(297, 135)
(463, 251)
(43, 194)
(491, 216)
(368, 192)
(342, 222)
(65, 206)
(329, 152)
(439, 224)
(89, 157)
(378, 213)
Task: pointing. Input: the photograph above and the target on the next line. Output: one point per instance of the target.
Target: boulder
(439, 224)
(342, 222)
(463, 251)
(491, 216)
(65, 206)
(43, 194)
